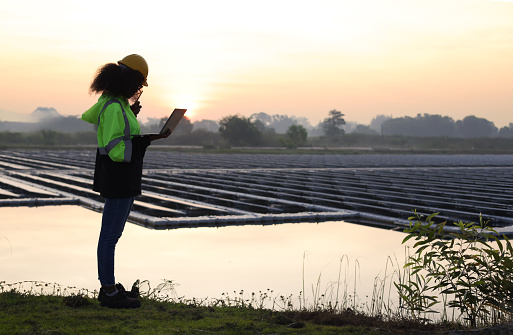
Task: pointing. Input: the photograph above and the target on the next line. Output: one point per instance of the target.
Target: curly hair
(117, 80)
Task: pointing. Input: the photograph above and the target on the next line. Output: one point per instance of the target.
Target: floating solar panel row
(76, 159)
(457, 194)
(180, 186)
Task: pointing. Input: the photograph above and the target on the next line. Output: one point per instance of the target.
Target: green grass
(32, 313)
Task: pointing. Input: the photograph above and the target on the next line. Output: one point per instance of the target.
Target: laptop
(171, 122)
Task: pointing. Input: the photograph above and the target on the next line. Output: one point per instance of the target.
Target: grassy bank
(29, 313)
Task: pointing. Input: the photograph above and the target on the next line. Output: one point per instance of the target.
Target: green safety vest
(116, 125)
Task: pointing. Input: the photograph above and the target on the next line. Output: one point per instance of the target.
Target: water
(57, 244)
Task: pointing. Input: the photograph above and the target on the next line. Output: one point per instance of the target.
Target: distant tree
(474, 127)
(316, 130)
(332, 125)
(437, 125)
(397, 126)
(362, 129)
(154, 125)
(265, 118)
(260, 125)
(296, 136)
(207, 138)
(421, 126)
(506, 132)
(280, 123)
(349, 127)
(377, 122)
(239, 130)
(184, 127)
(302, 121)
(152, 120)
(209, 125)
(49, 137)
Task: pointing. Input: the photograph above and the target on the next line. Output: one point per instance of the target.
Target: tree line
(239, 130)
(262, 129)
(427, 125)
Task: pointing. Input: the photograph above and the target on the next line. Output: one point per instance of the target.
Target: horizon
(38, 117)
(302, 59)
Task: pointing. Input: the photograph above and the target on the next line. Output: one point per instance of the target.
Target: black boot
(133, 293)
(122, 299)
(119, 300)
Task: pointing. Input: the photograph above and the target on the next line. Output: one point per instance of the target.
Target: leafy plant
(468, 264)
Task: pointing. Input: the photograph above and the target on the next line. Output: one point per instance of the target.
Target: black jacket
(119, 179)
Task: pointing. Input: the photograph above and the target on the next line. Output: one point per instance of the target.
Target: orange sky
(302, 58)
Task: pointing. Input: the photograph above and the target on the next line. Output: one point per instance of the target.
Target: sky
(298, 58)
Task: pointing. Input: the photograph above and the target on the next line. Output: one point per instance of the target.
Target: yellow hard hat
(136, 62)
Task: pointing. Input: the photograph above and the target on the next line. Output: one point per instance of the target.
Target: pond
(57, 244)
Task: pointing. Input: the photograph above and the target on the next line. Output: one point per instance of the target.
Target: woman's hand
(160, 136)
(136, 108)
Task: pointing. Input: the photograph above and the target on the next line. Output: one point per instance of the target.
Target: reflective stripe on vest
(127, 157)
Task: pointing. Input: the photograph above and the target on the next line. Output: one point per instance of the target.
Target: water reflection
(57, 244)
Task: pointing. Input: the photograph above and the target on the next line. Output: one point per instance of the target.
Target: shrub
(469, 264)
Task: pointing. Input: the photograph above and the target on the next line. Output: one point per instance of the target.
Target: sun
(189, 99)
(189, 103)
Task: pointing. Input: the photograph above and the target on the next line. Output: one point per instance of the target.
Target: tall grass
(341, 295)
(32, 287)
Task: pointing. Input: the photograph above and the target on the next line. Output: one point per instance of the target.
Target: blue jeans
(115, 214)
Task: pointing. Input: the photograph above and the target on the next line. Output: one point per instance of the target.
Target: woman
(119, 162)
